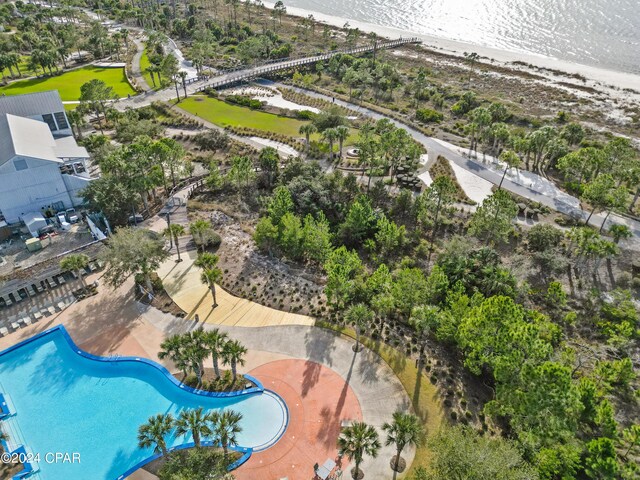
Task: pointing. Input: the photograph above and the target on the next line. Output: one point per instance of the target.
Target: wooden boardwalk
(226, 78)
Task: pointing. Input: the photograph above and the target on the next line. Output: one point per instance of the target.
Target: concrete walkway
(558, 201)
(182, 282)
(136, 71)
(378, 390)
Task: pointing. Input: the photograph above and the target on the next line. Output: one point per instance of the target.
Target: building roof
(66, 147)
(32, 104)
(25, 137)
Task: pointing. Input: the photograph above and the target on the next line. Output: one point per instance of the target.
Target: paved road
(435, 148)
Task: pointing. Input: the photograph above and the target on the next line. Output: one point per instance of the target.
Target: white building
(41, 166)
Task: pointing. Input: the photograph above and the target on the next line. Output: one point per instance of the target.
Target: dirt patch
(161, 299)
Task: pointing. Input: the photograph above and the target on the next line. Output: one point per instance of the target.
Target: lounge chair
(61, 280)
(4, 331)
(61, 305)
(38, 286)
(74, 275)
(92, 267)
(7, 301)
(15, 325)
(37, 315)
(325, 470)
(30, 291)
(51, 309)
(52, 283)
(17, 297)
(26, 320)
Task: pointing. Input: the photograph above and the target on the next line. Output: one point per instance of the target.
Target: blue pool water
(68, 403)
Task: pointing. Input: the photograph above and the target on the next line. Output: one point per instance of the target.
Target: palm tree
(357, 440)
(155, 431)
(510, 159)
(194, 422)
(423, 318)
(174, 231)
(620, 232)
(211, 273)
(152, 70)
(225, 428)
(196, 351)
(173, 349)
(77, 120)
(342, 133)
(405, 429)
(216, 341)
(307, 130)
(199, 228)
(330, 135)
(210, 277)
(360, 316)
(233, 354)
(183, 78)
(75, 262)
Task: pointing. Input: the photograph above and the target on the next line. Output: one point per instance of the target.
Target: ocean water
(598, 33)
(68, 404)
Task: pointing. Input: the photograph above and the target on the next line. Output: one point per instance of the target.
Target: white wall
(29, 190)
(74, 185)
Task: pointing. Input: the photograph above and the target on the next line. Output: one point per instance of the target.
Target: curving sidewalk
(182, 282)
(376, 387)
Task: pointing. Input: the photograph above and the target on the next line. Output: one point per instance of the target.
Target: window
(48, 118)
(20, 164)
(61, 120)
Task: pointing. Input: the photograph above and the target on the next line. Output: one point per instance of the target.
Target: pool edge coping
(246, 451)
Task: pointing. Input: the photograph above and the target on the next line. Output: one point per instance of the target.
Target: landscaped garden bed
(86, 292)
(160, 298)
(211, 383)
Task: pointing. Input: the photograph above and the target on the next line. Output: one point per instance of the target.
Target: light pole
(169, 230)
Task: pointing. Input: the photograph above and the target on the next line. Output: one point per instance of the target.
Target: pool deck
(315, 371)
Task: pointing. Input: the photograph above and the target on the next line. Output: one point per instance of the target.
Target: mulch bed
(83, 293)
(210, 383)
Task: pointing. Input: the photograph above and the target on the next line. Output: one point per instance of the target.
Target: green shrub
(305, 115)
(245, 101)
(427, 115)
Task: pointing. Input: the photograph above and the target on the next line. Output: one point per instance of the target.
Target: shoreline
(603, 77)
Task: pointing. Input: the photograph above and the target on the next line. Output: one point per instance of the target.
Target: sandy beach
(602, 77)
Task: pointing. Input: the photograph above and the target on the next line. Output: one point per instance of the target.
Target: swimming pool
(67, 401)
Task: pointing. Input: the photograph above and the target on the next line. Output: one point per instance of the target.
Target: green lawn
(144, 64)
(24, 69)
(69, 83)
(224, 114)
